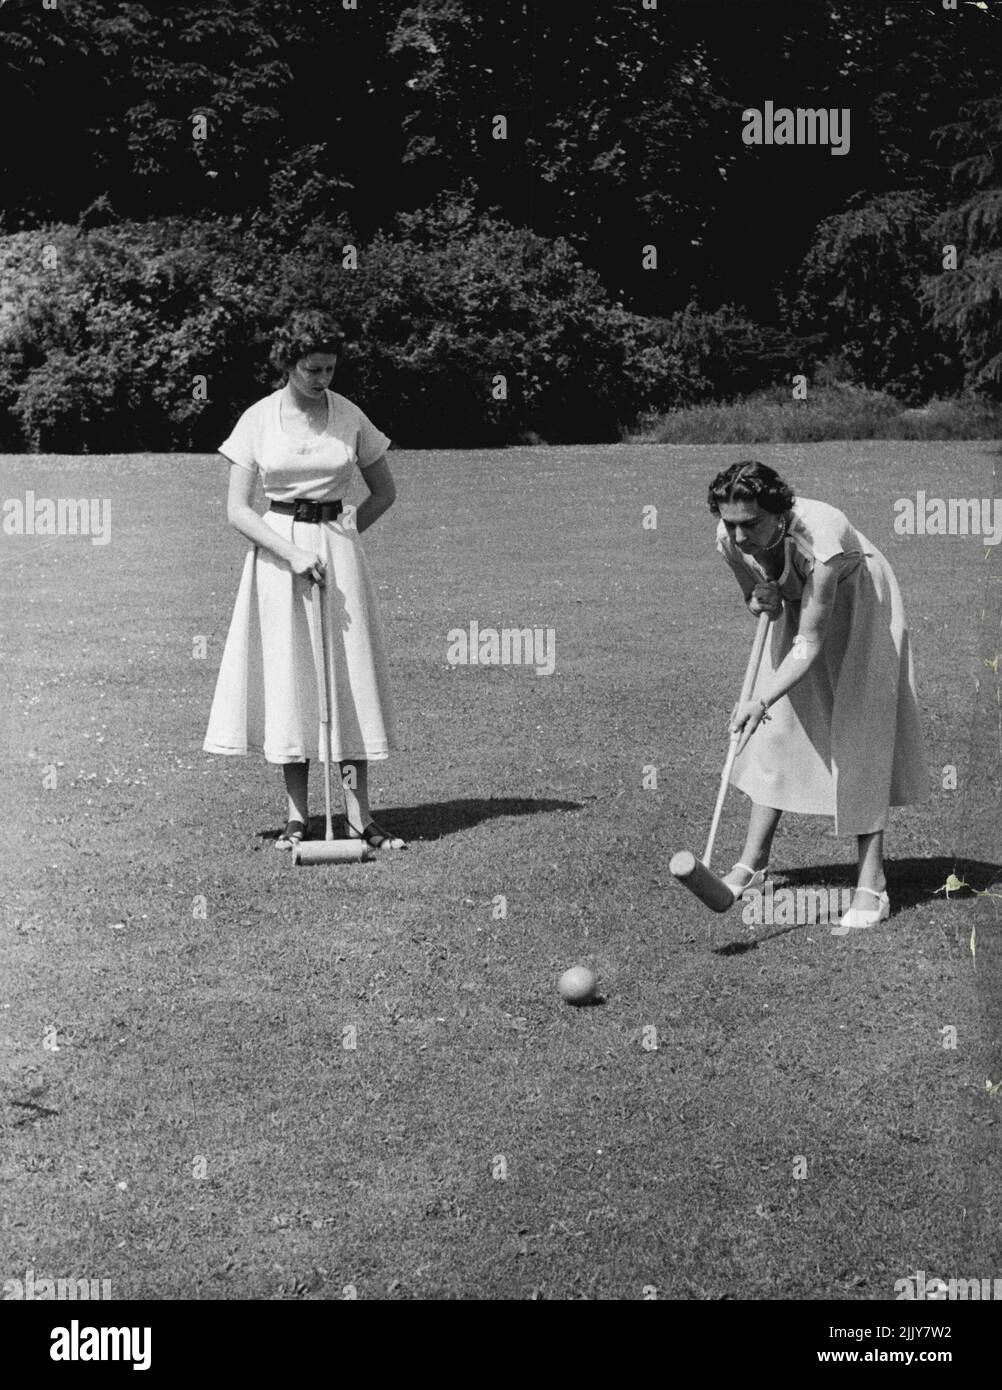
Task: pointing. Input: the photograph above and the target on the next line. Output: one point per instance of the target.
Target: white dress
(267, 692)
(846, 741)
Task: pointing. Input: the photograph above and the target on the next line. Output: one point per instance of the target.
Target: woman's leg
(355, 782)
(865, 909)
(297, 776)
(871, 866)
(758, 843)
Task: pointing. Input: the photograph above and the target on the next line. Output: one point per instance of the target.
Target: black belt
(312, 512)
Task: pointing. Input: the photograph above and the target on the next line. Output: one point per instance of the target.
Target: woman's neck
(308, 405)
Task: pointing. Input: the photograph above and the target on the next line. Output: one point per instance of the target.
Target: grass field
(181, 1110)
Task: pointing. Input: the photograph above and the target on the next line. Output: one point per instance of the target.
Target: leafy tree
(624, 129)
(104, 98)
(722, 354)
(967, 302)
(860, 287)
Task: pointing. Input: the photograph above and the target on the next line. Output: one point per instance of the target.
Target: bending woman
(834, 710)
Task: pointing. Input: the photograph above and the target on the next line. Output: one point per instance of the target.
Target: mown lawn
(198, 1125)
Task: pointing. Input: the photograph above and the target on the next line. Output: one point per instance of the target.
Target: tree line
(182, 173)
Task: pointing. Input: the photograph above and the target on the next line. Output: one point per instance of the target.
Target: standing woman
(305, 442)
(834, 715)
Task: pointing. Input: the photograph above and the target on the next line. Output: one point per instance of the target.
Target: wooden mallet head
(701, 881)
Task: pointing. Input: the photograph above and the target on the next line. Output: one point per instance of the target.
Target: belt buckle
(307, 511)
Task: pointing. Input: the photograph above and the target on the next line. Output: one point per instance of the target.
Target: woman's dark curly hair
(751, 482)
(306, 331)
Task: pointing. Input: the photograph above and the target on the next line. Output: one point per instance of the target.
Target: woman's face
(312, 373)
(749, 527)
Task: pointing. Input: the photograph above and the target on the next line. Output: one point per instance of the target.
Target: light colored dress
(847, 741)
(266, 695)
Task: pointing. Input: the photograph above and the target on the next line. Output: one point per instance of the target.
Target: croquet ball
(577, 985)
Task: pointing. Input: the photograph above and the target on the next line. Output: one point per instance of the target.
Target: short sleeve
(242, 445)
(370, 444)
(827, 544)
(819, 532)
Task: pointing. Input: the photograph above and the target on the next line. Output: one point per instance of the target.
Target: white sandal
(757, 879)
(864, 917)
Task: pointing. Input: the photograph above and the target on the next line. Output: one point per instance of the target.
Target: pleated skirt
(267, 695)
(847, 741)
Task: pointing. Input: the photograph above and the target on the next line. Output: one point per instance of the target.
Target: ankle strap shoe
(861, 918)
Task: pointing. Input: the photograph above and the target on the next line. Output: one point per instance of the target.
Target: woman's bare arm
(243, 518)
(382, 494)
(816, 606)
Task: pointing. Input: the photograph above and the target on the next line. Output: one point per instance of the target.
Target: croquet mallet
(696, 874)
(327, 850)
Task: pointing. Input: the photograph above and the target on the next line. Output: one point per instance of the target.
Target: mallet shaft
(329, 850)
(320, 627)
(748, 685)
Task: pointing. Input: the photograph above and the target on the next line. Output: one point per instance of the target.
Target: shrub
(104, 351)
(830, 412)
(103, 348)
(450, 300)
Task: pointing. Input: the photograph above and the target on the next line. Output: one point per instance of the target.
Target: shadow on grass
(910, 883)
(433, 820)
(752, 940)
